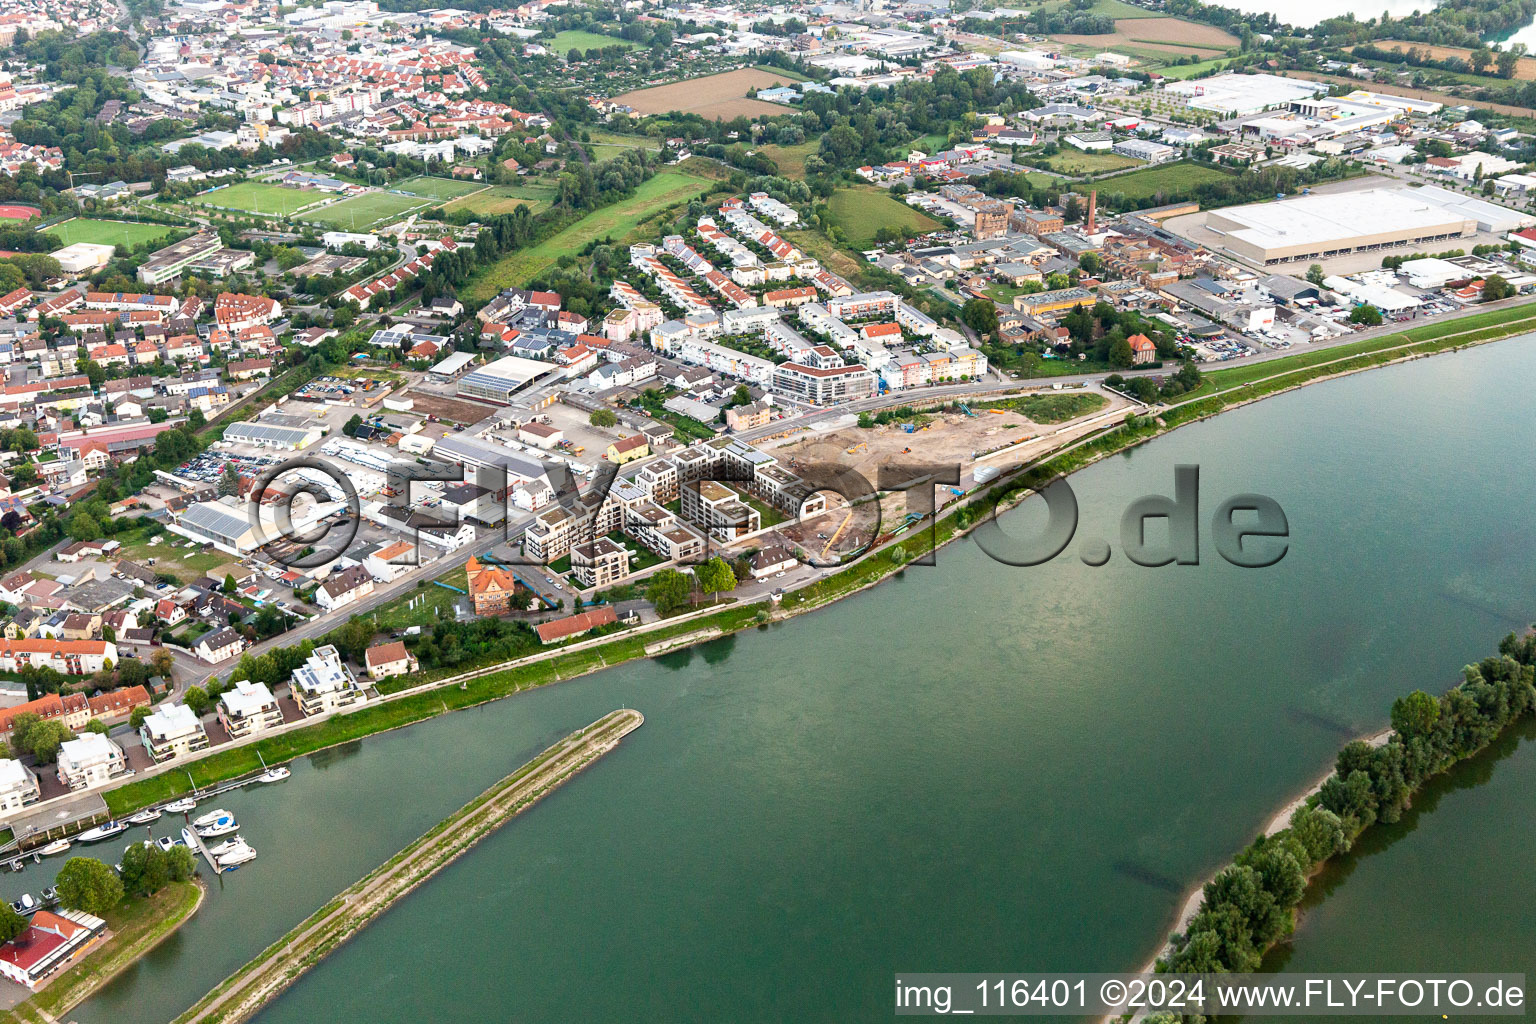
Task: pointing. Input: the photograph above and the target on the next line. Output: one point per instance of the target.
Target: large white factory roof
(1335, 216)
(1244, 94)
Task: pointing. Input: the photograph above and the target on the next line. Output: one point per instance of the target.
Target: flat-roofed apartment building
(173, 731)
(665, 533)
(89, 760)
(600, 563)
(248, 708)
(716, 508)
(324, 684)
(18, 786)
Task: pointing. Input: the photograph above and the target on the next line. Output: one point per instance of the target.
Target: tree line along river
(971, 767)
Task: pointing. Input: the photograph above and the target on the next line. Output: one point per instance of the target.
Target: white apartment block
(89, 760)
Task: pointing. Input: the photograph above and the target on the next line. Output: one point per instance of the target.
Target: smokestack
(1093, 210)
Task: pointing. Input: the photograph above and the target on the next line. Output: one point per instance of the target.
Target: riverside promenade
(243, 993)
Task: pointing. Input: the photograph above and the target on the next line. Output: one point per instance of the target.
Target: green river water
(969, 768)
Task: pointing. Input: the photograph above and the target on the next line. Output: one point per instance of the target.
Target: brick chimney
(1093, 210)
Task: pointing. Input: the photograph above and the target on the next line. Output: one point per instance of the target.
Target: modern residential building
(717, 509)
(173, 731)
(248, 708)
(600, 563)
(89, 760)
(18, 786)
(69, 657)
(324, 684)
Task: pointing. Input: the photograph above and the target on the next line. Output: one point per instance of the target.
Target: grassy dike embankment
(1221, 389)
(138, 925)
(243, 993)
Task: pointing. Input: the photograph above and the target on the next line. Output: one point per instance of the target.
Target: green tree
(980, 315)
(1315, 274)
(1415, 714)
(162, 661)
(144, 869)
(603, 418)
(97, 726)
(230, 586)
(12, 924)
(197, 699)
(350, 427)
(668, 590)
(1367, 314)
(87, 884)
(1496, 287)
(45, 739)
(136, 717)
(1120, 354)
(715, 576)
(181, 864)
(83, 526)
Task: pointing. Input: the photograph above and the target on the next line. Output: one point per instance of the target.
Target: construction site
(971, 444)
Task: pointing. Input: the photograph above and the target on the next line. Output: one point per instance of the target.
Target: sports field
(573, 39)
(367, 211)
(14, 211)
(505, 199)
(260, 198)
(1163, 178)
(861, 212)
(616, 221)
(108, 232)
(438, 188)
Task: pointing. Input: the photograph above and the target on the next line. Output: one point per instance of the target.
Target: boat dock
(197, 846)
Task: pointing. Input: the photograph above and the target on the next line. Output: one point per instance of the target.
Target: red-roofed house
(50, 942)
(1142, 349)
(561, 629)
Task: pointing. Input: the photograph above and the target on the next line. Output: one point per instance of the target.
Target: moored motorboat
(183, 806)
(165, 843)
(210, 818)
(239, 854)
(55, 847)
(144, 817)
(221, 826)
(107, 831)
(50, 896)
(189, 839)
(228, 846)
(277, 774)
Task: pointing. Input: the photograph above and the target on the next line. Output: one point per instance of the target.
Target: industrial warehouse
(1322, 226)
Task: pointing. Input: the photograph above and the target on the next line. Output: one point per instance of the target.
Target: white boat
(57, 846)
(107, 831)
(210, 818)
(236, 856)
(50, 896)
(25, 905)
(165, 843)
(277, 774)
(189, 840)
(144, 817)
(228, 846)
(183, 806)
(220, 827)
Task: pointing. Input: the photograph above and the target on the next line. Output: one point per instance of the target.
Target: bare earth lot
(1170, 35)
(720, 96)
(948, 438)
(454, 410)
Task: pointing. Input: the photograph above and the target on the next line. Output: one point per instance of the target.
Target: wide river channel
(973, 767)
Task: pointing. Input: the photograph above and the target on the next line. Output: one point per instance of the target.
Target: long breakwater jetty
(243, 993)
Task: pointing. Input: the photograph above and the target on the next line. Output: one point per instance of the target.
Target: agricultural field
(256, 197)
(439, 188)
(1163, 178)
(721, 96)
(367, 211)
(1163, 35)
(565, 42)
(505, 199)
(614, 222)
(1076, 161)
(791, 159)
(1183, 71)
(109, 232)
(861, 212)
(1525, 67)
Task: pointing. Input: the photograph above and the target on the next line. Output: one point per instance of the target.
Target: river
(972, 767)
